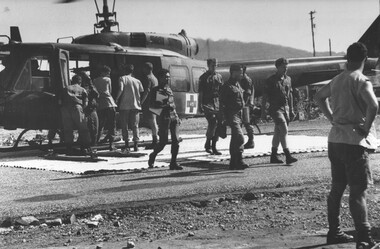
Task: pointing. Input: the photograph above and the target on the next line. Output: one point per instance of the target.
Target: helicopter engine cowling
(179, 43)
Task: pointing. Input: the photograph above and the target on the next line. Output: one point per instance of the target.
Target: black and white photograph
(178, 124)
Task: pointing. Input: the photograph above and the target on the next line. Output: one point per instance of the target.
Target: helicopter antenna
(97, 7)
(107, 23)
(113, 7)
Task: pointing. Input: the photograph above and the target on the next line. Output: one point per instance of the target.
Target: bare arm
(120, 90)
(369, 98)
(321, 100)
(144, 96)
(146, 91)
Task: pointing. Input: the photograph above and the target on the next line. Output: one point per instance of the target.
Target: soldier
(90, 110)
(73, 102)
(162, 99)
(209, 87)
(249, 95)
(128, 98)
(106, 106)
(232, 103)
(278, 92)
(149, 81)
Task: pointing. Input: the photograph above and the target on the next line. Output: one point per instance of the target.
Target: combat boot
(338, 237)
(274, 156)
(152, 157)
(135, 146)
(126, 148)
(208, 146)
(365, 240)
(173, 163)
(111, 146)
(240, 163)
(153, 144)
(213, 147)
(250, 144)
(289, 158)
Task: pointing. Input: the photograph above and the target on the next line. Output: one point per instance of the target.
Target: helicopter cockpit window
(24, 80)
(197, 72)
(175, 44)
(34, 76)
(40, 75)
(157, 40)
(180, 79)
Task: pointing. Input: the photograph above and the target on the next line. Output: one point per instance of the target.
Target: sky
(281, 22)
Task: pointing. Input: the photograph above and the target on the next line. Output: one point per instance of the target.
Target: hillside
(226, 50)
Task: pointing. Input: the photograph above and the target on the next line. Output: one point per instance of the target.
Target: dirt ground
(279, 217)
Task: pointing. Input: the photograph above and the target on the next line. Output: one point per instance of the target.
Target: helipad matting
(191, 150)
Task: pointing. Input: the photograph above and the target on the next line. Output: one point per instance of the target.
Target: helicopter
(34, 75)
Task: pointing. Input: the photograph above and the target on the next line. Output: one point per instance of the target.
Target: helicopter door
(60, 72)
(64, 67)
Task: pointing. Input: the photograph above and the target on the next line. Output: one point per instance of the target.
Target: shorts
(350, 164)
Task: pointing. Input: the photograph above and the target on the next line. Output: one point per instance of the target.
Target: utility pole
(312, 28)
(330, 46)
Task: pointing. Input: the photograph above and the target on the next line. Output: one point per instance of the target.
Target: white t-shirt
(131, 89)
(349, 110)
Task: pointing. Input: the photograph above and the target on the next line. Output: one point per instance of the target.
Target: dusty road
(159, 210)
(203, 206)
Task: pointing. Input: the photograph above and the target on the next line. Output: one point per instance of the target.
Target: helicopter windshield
(35, 75)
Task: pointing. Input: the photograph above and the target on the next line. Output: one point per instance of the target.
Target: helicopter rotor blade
(67, 1)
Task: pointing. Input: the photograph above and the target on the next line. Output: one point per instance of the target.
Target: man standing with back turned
(209, 86)
(352, 112)
(128, 98)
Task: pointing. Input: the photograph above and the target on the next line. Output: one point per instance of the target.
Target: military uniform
(209, 88)
(278, 90)
(232, 101)
(248, 95)
(167, 120)
(73, 116)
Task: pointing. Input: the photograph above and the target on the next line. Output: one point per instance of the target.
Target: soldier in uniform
(232, 103)
(72, 111)
(248, 95)
(209, 87)
(278, 92)
(162, 98)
